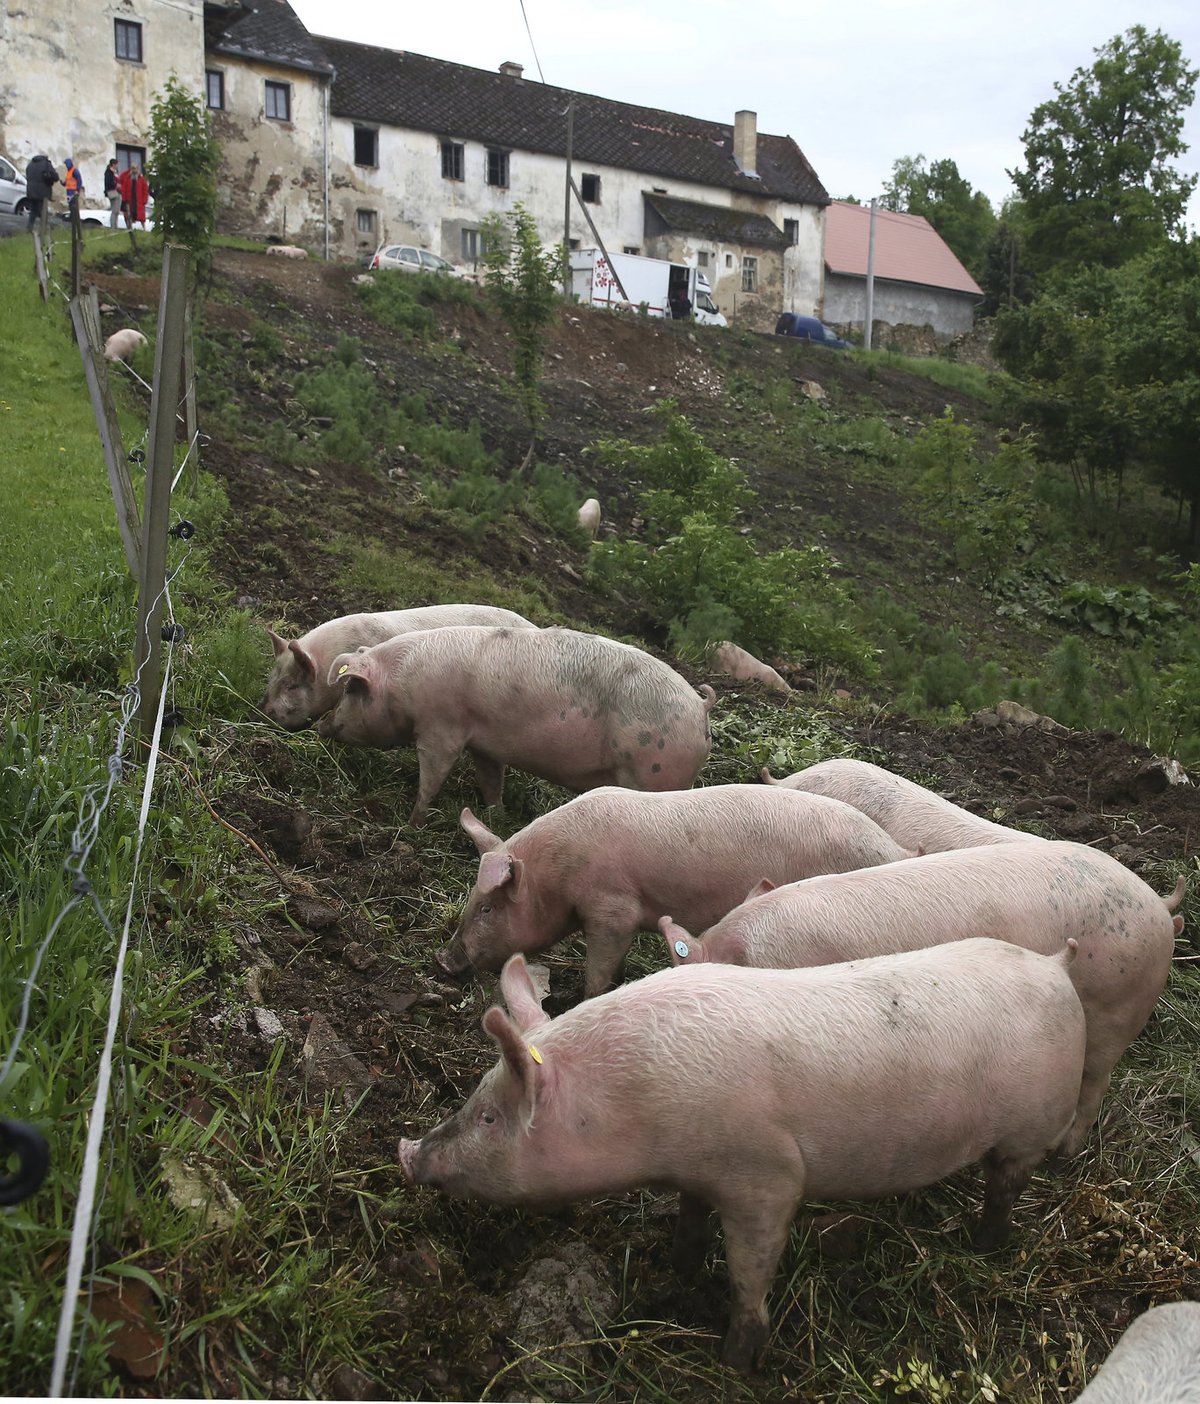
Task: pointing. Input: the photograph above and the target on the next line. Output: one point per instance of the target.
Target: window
(702, 258)
(791, 230)
(278, 101)
(473, 247)
(129, 40)
(728, 260)
(365, 220)
(452, 160)
(749, 274)
(130, 156)
(214, 82)
(572, 244)
(497, 168)
(631, 249)
(589, 188)
(366, 146)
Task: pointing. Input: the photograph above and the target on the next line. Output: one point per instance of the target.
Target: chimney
(745, 142)
(512, 70)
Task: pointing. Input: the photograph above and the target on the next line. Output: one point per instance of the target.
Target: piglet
(913, 815)
(589, 516)
(751, 1090)
(298, 689)
(735, 662)
(1035, 895)
(574, 708)
(122, 344)
(1156, 1361)
(611, 861)
(286, 251)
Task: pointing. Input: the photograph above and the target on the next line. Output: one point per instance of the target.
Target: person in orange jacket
(135, 191)
(72, 182)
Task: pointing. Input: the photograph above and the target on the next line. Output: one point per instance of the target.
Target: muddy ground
(347, 957)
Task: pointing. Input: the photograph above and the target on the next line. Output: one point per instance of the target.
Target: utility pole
(870, 319)
(567, 200)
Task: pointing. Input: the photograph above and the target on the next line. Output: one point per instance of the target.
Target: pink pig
(1156, 1361)
(1034, 895)
(751, 1090)
(575, 708)
(298, 691)
(610, 862)
(913, 815)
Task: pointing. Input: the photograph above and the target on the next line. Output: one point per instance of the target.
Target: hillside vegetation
(885, 532)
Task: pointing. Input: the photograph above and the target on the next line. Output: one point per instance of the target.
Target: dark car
(809, 329)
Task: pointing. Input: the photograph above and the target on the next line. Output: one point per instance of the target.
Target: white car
(409, 259)
(93, 215)
(12, 188)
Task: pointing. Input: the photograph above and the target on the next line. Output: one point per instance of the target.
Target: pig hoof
(990, 1237)
(743, 1346)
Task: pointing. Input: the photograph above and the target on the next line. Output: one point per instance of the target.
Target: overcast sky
(857, 83)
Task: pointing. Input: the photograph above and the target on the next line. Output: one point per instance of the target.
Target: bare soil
(353, 944)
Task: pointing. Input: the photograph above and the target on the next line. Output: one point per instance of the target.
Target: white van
(12, 188)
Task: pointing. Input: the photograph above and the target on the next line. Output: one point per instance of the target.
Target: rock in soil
(560, 1303)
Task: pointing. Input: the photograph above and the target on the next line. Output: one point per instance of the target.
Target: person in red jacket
(135, 191)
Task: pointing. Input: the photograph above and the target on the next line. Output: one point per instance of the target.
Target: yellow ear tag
(345, 668)
(534, 1054)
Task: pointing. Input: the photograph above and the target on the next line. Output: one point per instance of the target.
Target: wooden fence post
(160, 463)
(39, 263)
(188, 371)
(85, 317)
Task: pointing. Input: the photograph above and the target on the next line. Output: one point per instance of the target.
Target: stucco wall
(948, 313)
(273, 176)
(63, 90)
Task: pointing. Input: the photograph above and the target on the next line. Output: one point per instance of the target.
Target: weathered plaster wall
(273, 174)
(948, 313)
(63, 90)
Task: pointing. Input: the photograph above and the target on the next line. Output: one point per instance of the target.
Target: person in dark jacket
(112, 192)
(40, 180)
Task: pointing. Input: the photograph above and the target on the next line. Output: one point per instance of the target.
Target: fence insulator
(137, 455)
(172, 633)
(173, 719)
(184, 530)
(33, 1155)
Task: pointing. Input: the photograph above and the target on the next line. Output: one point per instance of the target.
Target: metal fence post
(160, 463)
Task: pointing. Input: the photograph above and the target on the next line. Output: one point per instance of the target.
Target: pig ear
(522, 1058)
(519, 994)
(762, 886)
(304, 659)
(680, 946)
(350, 665)
(496, 870)
(280, 645)
(480, 834)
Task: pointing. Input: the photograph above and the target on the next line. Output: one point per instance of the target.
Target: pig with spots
(574, 708)
(1034, 895)
(612, 861)
(299, 690)
(913, 815)
(750, 1091)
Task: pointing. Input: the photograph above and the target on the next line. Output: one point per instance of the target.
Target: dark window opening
(589, 188)
(130, 156)
(791, 230)
(129, 40)
(366, 146)
(497, 168)
(453, 166)
(214, 82)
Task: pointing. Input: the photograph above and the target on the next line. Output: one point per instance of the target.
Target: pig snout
(408, 1160)
(453, 959)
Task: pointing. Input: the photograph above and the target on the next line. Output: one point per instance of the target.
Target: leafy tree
(962, 216)
(523, 280)
(1097, 185)
(182, 170)
(1004, 276)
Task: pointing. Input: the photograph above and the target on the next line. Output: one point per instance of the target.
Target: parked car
(409, 259)
(93, 216)
(809, 329)
(12, 188)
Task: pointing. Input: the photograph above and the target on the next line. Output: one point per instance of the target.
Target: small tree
(182, 171)
(523, 280)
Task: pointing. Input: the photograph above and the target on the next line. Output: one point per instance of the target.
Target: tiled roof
(907, 248)
(400, 89)
(717, 222)
(263, 29)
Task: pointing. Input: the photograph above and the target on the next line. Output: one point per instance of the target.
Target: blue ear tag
(681, 949)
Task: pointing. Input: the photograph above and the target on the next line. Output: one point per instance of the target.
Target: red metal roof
(908, 249)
